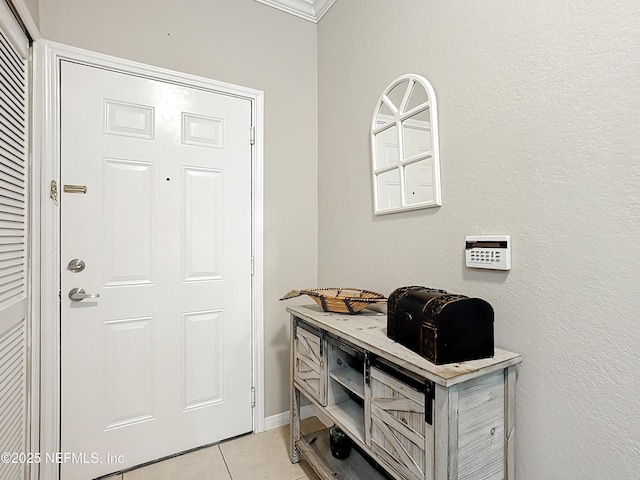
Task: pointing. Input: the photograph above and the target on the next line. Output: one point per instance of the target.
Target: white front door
(156, 203)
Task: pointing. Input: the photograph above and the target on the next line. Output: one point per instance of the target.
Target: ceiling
(311, 10)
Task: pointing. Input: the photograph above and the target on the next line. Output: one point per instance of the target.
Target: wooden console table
(414, 419)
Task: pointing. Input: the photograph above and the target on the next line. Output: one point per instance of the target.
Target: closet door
(14, 47)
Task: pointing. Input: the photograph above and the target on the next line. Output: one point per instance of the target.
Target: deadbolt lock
(76, 265)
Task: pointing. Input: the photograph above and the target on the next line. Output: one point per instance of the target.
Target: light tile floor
(261, 456)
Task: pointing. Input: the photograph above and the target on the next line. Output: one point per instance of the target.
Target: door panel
(203, 224)
(400, 434)
(128, 228)
(14, 207)
(160, 362)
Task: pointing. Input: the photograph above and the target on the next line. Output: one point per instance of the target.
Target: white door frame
(48, 56)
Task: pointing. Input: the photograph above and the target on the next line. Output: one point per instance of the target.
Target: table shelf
(350, 379)
(316, 450)
(350, 416)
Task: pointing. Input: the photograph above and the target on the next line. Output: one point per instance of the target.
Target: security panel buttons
(489, 251)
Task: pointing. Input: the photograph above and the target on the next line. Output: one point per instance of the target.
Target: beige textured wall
(246, 43)
(539, 119)
(34, 10)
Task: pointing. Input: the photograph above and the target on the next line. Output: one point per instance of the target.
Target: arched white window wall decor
(404, 147)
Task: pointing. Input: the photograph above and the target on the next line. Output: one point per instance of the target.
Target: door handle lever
(78, 294)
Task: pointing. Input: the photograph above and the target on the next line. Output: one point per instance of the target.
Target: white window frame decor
(405, 176)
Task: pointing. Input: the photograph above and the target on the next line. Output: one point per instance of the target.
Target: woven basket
(340, 300)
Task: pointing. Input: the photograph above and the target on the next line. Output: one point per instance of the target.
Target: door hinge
(253, 265)
(429, 397)
(253, 396)
(53, 191)
(252, 134)
(367, 368)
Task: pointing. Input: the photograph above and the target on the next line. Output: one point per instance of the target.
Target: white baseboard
(280, 419)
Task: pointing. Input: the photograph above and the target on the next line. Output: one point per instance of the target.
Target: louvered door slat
(10, 121)
(9, 118)
(12, 398)
(10, 203)
(15, 59)
(11, 394)
(9, 347)
(12, 70)
(13, 242)
(11, 95)
(12, 176)
(11, 193)
(12, 379)
(10, 266)
(10, 153)
(8, 71)
(11, 78)
(13, 99)
(13, 64)
(8, 226)
(9, 162)
(8, 218)
(10, 274)
(6, 193)
(8, 253)
(10, 147)
(11, 180)
(12, 294)
(7, 47)
(8, 278)
(11, 210)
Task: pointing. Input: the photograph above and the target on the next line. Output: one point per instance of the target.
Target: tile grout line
(305, 476)
(225, 462)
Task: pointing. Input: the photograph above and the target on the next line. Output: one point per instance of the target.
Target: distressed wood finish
(316, 450)
(343, 379)
(398, 424)
(510, 422)
(441, 421)
(481, 423)
(294, 399)
(368, 330)
(367, 414)
(380, 404)
(308, 346)
(350, 379)
(453, 431)
(309, 373)
(350, 416)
